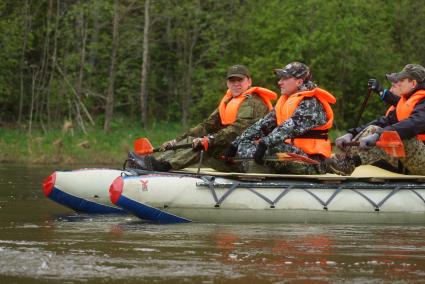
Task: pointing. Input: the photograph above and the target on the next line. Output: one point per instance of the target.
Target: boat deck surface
(362, 173)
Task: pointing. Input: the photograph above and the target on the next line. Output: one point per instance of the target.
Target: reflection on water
(41, 241)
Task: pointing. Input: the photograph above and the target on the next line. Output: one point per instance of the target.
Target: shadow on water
(41, 241)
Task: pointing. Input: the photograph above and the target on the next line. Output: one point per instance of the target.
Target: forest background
(80, 79)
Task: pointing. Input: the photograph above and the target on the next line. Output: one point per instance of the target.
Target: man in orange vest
(299, 124)
(407, 118)
(240, 107)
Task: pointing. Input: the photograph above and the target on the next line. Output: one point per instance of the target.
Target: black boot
(141, 162)
(161, 166)
(149, 162)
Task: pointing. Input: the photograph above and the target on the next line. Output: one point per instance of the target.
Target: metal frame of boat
(370, 195)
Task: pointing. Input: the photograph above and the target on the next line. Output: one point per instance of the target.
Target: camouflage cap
(410, 71)
(294, 69)
(238, 70)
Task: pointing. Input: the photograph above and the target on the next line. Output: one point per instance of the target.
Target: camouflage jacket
(309, 114)
(250, 111)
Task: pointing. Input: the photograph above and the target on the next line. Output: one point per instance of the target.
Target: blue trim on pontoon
(81, 204)
(147, 212)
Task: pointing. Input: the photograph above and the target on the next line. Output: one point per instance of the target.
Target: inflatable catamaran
(370, 195)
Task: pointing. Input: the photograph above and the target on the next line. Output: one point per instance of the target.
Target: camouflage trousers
(247, 149)
(413, 162)
(186, 157)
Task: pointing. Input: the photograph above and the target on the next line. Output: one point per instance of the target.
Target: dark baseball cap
(410, 71)
(294, 69)
(238, 70)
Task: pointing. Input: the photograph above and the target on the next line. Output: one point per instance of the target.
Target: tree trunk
(22, 65)
(171, 86)
(145, 67)
(109, 107)
(40, 96)
(94, 35)
(52, 60)
(33, 81)
(192, 39)
(79, 104)
(82, 26)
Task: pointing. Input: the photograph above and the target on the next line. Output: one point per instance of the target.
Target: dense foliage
(72, 60)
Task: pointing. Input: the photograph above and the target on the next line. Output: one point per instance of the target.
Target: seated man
(240, 107)
(407, 119)
(298, 124)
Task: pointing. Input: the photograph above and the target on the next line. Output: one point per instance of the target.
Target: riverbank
(69, 146)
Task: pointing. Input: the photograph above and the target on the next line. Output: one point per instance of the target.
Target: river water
(41, 241)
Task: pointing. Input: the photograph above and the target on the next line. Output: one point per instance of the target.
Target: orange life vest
(285, 107)
(229, 105)
(405, 108)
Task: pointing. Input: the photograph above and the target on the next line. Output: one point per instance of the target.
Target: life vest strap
(315, 134)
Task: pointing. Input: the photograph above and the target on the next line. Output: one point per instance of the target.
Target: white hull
(381, 197)
(84, 190)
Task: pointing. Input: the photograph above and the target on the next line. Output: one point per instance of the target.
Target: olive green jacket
(251, 110)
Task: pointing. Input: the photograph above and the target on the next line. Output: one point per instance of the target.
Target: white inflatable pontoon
(84, 190)
(370, 195)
